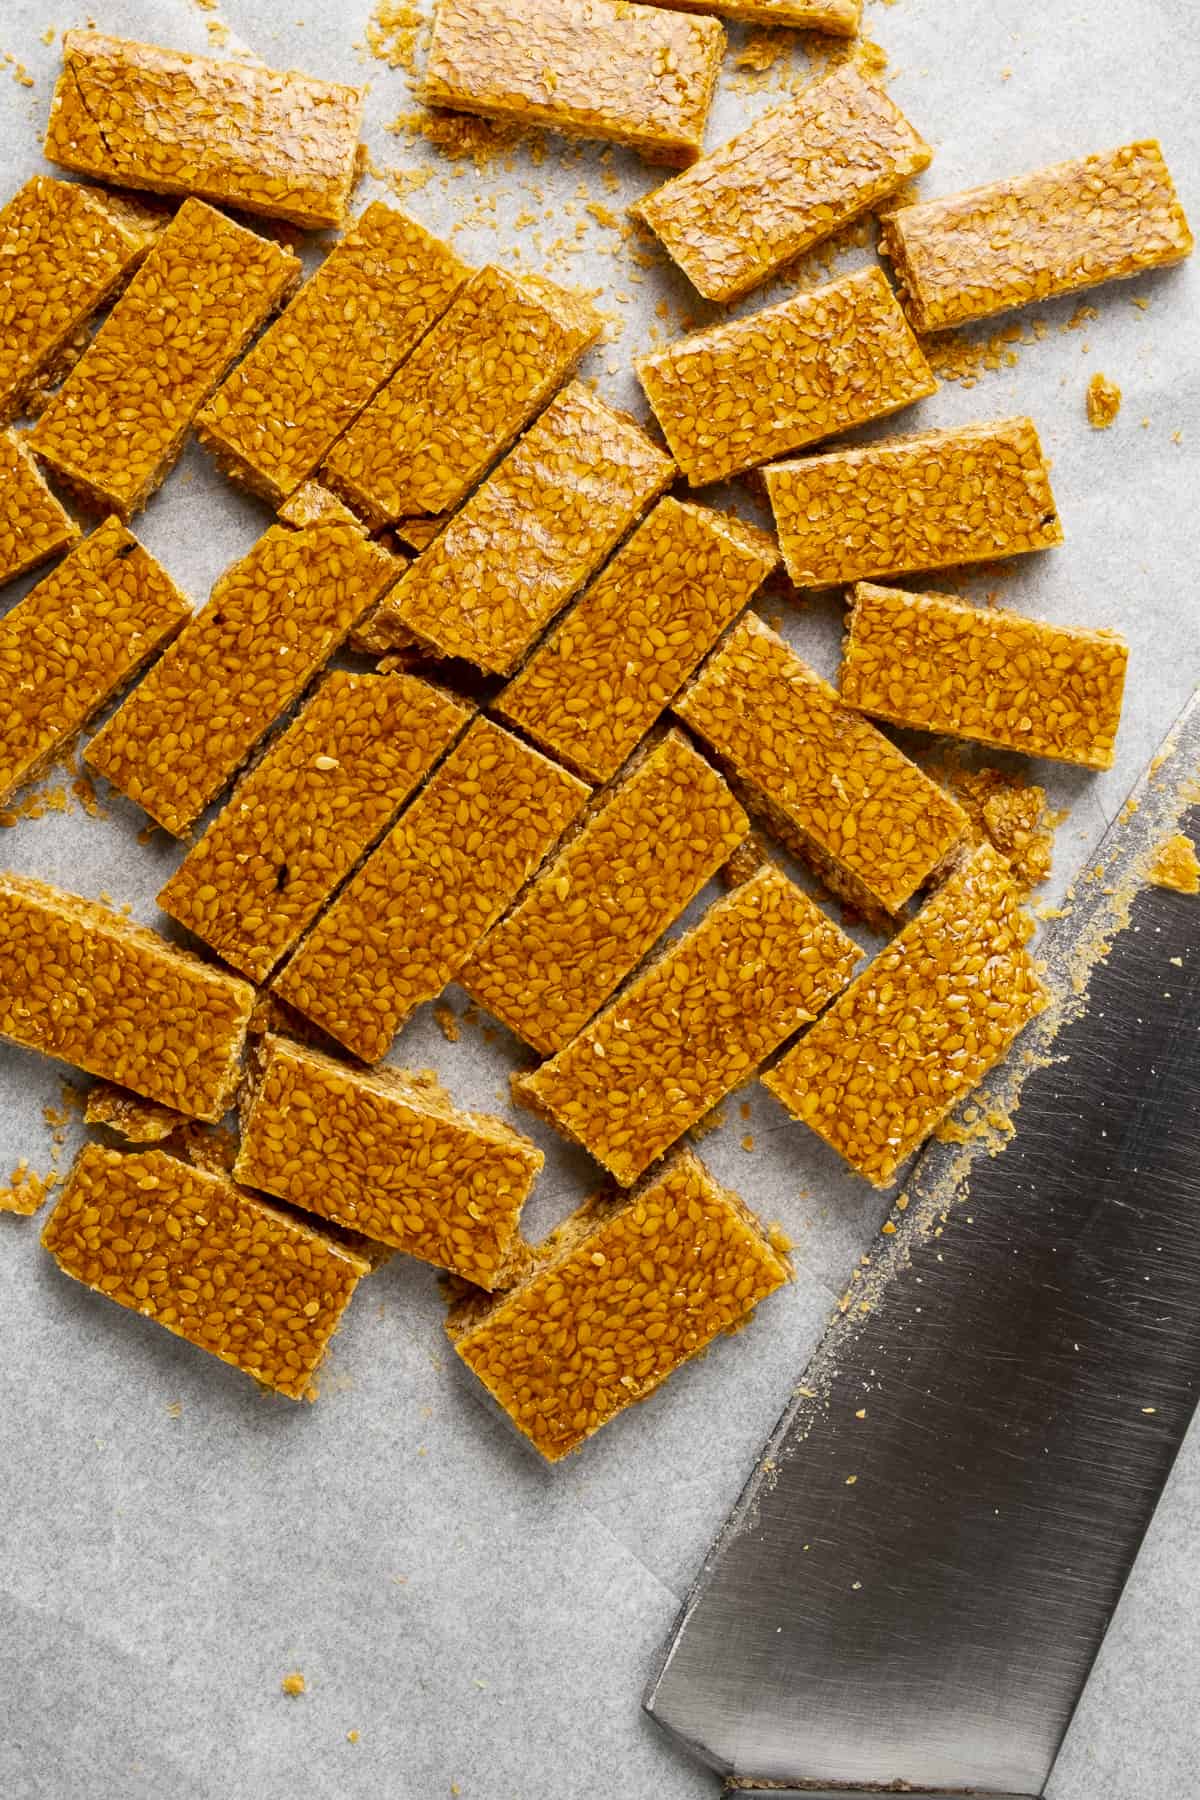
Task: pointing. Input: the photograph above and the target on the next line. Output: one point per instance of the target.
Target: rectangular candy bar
(620, 1295)
(590, 68)
(900, 505)
(1098, 218)
(260, 1289)
(739, 394)
(235, 133)
(920, 1027)
(65, 250)
(532, 534)
(350, 326)
(590, 693)
(840, 18)
(474, 383)
(940, 664)
(796, 175)
(391, 1158)
(74, 642)
(588, 918)
(33, 526)
(832, 788)
(299, 821)
(273, 618)
(695, 1024)
(83, 984)
(118, 423)
(405, 924)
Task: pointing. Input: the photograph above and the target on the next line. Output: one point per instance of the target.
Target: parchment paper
(174, 1543)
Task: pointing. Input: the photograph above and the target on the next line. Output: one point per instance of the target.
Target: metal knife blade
(1026, 1355)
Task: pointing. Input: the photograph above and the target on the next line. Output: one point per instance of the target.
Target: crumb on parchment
(1103, 401)
(25, 1191)
(447, 1022)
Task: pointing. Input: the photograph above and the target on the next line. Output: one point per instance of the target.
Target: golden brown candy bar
(404, 925)
(350, 326)
(273, 618)
(920, 1027)
(118, 423)
(478, 378)
(695, 1024)
(796, 175)
(82, 984)
(33, 526)
(940, 664)
(74, 642)
(900, 505)
(263, 1291)
(312, 504)
(235, 133)
(531, 535)
(301, 819)
(1098, 218)
(390, 1158)
(830, 786)
(838, 17)
(64, 252)
(739, 394)
(590, 693)
(620, 1295)
(588, 918)
(590, 68)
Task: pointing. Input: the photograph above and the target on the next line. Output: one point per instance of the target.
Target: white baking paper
(174, 1542)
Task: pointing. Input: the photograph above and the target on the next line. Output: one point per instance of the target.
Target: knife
(912, 1589)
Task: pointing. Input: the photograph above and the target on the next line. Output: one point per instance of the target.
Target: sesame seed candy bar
(350, 326)
(620, 1295)
(588, 918)
(33, 526)
(532, 534)
(273, 618)
(397, 1161)
(312, 504)
(302, 817)
(84, 985)
(263, 1291)
(64, 252)
(74, 642)
(900, 505)
(920, 1027)
(589, 68)
(940, 664)
(832, 788)
(404, 925)
(591, 692)
(793, 177)
(693, 1025)
(1098, 218)
(478, 378)
(838, 17)
(119, 421)
(739, 394)
(235, 133)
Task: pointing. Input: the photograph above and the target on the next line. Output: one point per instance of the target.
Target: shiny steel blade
(912, 1600)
